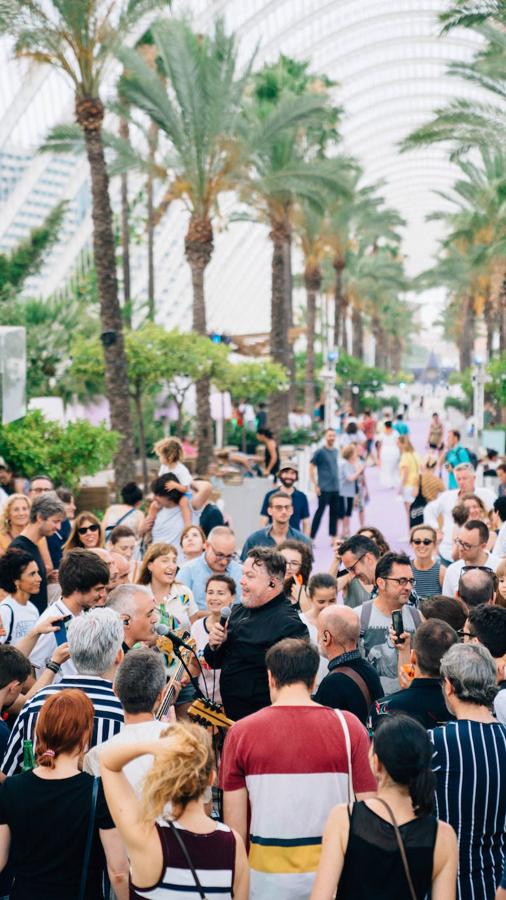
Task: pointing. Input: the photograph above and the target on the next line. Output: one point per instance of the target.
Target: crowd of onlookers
(368, 754)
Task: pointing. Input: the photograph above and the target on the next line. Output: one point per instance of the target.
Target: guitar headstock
(208, 714)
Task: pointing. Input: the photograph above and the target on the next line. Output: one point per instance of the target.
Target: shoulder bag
(347, 742)
(89, 840)
(187, 857)
(401, 849)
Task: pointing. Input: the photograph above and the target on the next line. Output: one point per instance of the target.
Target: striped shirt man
(108, 719)
(293, 762)
(469, 761)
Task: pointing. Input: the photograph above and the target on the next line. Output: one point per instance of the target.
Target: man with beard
(299, 519)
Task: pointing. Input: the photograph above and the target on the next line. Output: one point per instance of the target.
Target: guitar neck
(170, 693)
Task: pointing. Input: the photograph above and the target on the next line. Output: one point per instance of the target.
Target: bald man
(352, 683)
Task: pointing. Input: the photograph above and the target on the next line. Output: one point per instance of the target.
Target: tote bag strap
(187, 856)
(402, 850)
(89, 840)
(347, 742)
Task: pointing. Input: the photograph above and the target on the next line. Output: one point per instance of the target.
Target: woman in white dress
(389, 456)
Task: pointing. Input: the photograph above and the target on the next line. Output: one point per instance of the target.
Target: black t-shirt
(210, 517)
(48, 821)
(339, 691)
(423, 700)
(23, 543)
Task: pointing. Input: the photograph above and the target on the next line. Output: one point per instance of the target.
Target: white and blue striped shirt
(108, 719)
(469, 761)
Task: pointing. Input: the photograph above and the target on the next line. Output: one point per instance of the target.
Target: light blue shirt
(196, 573)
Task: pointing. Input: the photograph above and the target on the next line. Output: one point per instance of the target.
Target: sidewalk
(384, 510)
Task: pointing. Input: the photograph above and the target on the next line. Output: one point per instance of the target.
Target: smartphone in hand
(398, 625)
(61, 632)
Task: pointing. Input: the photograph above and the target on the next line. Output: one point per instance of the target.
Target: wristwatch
(52, 665)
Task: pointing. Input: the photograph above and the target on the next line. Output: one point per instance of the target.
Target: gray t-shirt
(325, 460)
(376, 647)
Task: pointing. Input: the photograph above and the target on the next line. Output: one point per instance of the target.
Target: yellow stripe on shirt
(279, 860)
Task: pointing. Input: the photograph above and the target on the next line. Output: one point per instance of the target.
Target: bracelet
(53, 666)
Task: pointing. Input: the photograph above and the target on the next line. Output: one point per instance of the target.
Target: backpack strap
(365, 616)
(5, 605)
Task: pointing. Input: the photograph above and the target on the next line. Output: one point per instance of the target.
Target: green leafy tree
(157, 360)
(36, 444)
(254, 382)
(79, 39)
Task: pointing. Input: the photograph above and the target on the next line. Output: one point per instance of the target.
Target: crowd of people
(184, 716)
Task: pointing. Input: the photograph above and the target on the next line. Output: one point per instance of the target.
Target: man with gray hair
(219, 558)
(469, 761)
(136, 606)
(95, 640)
(352, 683)
(46, 515)
(139, 686)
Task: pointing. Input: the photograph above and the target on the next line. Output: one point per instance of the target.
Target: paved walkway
(384, 510)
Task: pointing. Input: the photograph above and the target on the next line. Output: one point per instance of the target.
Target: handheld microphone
(164, 631)
(225, 614)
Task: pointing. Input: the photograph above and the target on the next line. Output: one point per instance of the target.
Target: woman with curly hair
(184, 851)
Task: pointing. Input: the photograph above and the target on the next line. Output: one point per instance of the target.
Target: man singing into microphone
(263, 617)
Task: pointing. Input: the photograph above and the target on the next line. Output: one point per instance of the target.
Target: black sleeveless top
(373, 863)
(275, 469)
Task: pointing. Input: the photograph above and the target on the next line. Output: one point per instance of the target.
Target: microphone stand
(193, 678)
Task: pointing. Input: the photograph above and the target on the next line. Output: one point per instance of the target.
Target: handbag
(187, 857)
(89, 840)
(417, 507)
(401, 849)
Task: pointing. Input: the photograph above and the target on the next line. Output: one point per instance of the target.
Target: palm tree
(276, 179)
(200, 116)
(308, 226)
(79, 39)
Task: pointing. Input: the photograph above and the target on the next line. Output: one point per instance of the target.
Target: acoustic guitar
(208, 714)
(165, 644)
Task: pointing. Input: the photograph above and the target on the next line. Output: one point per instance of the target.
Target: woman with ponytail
(45, 813)
(175, 849)
(391, 847)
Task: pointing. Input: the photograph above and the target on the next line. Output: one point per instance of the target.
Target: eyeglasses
(352, 568)
(465, 546)
(282, 507)
(402, 582)
(424, 541)
(480, 569)
(85, 528)
(465, 634)
(292, 564)
(222, 556)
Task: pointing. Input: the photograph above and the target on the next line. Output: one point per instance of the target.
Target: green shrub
(35, 444)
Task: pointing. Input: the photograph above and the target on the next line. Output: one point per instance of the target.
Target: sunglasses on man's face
(424, 541)
(86, 528)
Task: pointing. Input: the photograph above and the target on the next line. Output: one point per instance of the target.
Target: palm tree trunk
(142, 435)
(466, 342)
(338, 265)
(357, 334)
(344, 320)
(313, 280)
(290, 394)
(278, 405)
(125, 233)
(395, 354)
(150, 225)
(89, 115)
(489, 319)
(198, 249)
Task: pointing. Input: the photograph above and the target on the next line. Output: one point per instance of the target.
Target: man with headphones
(262, 618)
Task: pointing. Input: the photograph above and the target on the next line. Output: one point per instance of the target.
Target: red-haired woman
(45, 813)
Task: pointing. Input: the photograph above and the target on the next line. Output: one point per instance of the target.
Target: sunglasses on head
(86, 528)
(424, 541)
